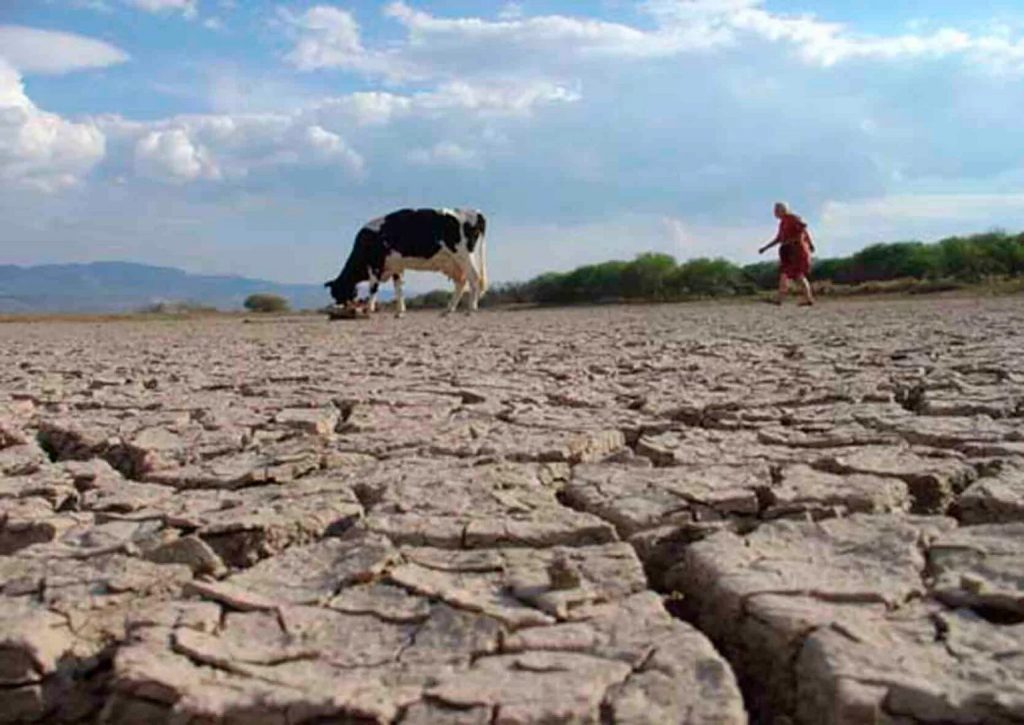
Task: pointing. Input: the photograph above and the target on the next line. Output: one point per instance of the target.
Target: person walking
(795, 247)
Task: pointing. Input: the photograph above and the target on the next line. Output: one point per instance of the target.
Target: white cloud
(330, 148)
(225, 148)
(23, 48)
(436, 48)
(926, 209)
(173, 156)
(672, 134)
(366, 108)
(738, 242)
(511, 11)
(457, 100)
(41, 150)
(99, 6)
(188, 8)
(843, 227)
(329, 37)
(464, 47)
(573, 35)
(827, 43)
(446, 153)
(496, 98)
(227, 88)
(528, 249)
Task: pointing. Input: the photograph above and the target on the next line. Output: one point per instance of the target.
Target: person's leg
(808, 294)
(783, 288)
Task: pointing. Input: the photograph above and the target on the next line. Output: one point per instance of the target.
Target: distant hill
(126, 287)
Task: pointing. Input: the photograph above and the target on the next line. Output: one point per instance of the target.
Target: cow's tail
(483, 264)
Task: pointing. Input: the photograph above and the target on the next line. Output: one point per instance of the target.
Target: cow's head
(474, 225)
(342, 290)
(344, 287)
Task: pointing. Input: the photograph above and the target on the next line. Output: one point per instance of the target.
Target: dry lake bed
(698, 513)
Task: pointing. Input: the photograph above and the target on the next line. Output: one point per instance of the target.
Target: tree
(963, 259)
(704, 277)
(880, 262)
(548, 288)
(645, 276)
(765, 275)
(263, 302)
(654, 276)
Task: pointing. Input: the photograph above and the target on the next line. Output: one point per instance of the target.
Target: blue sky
(255, 138)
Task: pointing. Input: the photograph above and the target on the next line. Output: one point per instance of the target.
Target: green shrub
(897, 268)
(434, 299)
(263, 302)
(177, 308)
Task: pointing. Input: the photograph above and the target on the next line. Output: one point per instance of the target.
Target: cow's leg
(460, 288)
(399, 299)
(474, 286)
(371, 303)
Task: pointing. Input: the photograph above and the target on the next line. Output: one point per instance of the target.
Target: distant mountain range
(127, 287)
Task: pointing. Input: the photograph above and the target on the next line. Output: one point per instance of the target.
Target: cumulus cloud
(571, 35)
(329, 37)
(326, 147)
(366, 108)
(454, 99)
(496, 99)
(172, 155)
(222, 148)
(824, 43)
(673, 133)
(440, 47)
(41, 150)
(31, 50)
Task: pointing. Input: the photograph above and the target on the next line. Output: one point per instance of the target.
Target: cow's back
(419, 232)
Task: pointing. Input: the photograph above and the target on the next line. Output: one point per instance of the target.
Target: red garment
(791, 228)
(794, 250)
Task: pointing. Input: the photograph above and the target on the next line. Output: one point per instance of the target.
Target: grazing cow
(436, 240)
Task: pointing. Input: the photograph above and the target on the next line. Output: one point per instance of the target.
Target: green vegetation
(265, 303)
(902, 267)
(437, 298)
(177, 308)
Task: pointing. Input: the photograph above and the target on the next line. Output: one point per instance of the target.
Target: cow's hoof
(399, 315)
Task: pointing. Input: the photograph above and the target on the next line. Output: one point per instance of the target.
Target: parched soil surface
(702, 514)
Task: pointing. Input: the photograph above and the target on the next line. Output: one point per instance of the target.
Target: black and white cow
(435, 240)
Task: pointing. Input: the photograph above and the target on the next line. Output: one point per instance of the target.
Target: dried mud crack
(613, 515)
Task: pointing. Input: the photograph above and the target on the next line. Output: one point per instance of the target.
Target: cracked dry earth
(701, 514)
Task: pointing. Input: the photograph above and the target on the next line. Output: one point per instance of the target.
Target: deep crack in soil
(545, 516)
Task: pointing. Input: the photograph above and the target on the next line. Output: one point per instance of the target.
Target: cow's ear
(327, 284)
